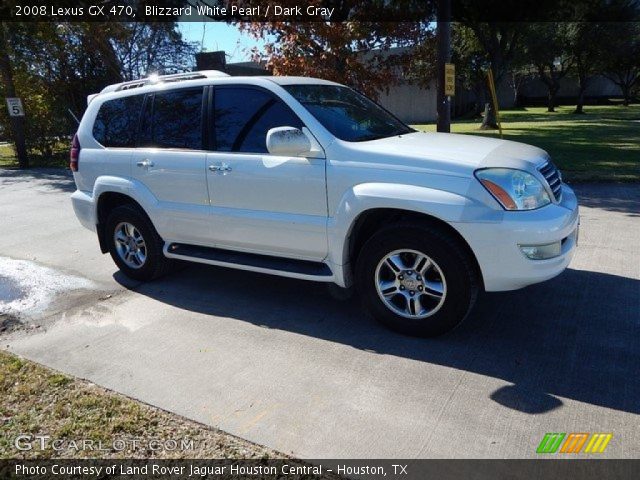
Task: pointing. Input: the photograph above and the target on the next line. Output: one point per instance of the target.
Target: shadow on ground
(621, 197)
(50, 178)
(575, 336)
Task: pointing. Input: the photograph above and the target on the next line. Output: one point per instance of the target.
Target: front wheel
(416, 280)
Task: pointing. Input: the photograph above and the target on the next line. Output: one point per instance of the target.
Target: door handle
(220, 168)
(145, 163)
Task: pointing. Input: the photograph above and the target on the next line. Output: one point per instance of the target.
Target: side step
(287, 267)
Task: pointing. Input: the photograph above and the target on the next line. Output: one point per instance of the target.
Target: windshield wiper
(378, 136)
(366, 138)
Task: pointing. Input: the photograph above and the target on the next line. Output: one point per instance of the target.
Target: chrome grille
(552, 175)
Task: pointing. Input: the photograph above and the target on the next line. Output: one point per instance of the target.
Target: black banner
(267, 469)
(317, 10)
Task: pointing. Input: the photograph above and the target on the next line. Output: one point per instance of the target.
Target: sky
(212, 36)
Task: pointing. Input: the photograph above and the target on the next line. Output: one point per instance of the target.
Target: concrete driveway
(282, 363)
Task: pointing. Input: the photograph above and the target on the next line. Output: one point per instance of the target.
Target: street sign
(449, 79)
(15, 107)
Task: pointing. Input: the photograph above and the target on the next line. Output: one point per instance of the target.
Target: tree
(471, 64)
(55, 67)
(6, 71)
(586, 54)
(499, 41)
(621, 64)
(366, 55)
(547, 47)
(144, 48)
(518, 72)
(478, 46)
(589, 39)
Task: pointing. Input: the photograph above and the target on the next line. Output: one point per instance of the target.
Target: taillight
(74, 155)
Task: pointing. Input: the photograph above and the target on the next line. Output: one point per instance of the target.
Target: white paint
(27, 288)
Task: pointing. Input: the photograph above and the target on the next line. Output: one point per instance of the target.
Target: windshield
(347, 114)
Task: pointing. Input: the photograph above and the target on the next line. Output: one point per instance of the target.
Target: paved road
(281, 363)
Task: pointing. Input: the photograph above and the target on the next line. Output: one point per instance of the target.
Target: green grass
(7, 156)
(60, 159)
(35, 400)
(601, 145)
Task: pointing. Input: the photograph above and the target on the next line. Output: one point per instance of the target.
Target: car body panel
(269, 204)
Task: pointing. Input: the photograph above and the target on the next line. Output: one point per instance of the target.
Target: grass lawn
(59, 160)
(602, 145)
(7, 157)
(37, 401)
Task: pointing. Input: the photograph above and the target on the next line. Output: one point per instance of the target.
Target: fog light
(542, 252)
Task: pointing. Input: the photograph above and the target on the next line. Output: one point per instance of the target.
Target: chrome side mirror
(288, 142)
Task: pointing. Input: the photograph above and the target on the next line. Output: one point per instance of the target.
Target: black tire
(156, 264)
(441, 247)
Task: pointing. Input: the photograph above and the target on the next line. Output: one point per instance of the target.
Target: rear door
(263, 203)
(170, 161)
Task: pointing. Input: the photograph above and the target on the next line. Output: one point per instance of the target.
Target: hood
(450, 152)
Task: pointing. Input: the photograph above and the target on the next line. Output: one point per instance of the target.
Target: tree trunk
(517, 99)
(444, 56)
(17, 123)
(480, 100)
(626, 95)
(516, 84)
(551, 101)
(489, 121)
(580, 100)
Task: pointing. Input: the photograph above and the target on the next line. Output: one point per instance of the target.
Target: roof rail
(176, 77)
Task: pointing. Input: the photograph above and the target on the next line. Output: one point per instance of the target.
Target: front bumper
(495, 243)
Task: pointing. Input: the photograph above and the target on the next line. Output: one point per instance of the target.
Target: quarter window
(117, 121)
(243, 116)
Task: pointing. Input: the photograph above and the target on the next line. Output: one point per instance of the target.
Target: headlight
(514, 189)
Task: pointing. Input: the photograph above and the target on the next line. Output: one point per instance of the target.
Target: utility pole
(444, 56)
(10, 91)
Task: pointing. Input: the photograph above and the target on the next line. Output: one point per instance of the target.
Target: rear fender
(125, 186)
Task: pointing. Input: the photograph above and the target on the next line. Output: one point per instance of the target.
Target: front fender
(443, 205)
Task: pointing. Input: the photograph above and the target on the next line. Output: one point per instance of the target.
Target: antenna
(73, 115)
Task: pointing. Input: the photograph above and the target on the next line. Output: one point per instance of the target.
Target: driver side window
(243, 116)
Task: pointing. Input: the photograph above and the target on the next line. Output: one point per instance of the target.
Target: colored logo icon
(574, 443)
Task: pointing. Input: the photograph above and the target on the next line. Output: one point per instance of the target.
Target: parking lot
(284, 364)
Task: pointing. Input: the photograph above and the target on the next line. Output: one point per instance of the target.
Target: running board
(287, 267)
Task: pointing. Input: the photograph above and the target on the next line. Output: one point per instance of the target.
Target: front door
(263, 203)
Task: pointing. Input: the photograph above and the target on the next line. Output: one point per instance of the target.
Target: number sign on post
(15, 107)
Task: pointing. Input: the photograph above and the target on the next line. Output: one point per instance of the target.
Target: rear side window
(116, 122)
(243, 116)
(173, 120)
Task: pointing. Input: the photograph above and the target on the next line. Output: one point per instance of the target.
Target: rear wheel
(134, 244)
(416, 280)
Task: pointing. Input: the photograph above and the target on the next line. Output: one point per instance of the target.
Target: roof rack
(153, 79)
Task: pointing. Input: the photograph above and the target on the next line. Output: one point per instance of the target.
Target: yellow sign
(449, 79)
(494, 96)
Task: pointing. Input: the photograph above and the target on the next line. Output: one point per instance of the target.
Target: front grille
(552, 175)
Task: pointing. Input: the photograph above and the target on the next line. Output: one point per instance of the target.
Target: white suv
(309, 179)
